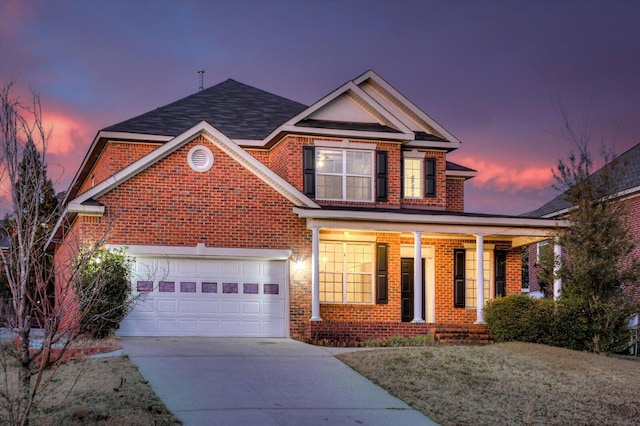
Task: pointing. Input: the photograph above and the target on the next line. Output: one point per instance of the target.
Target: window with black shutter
(430, 177)
(381, 176)
(382, 274)
(501, 273)
(459, 284)
(309, 170)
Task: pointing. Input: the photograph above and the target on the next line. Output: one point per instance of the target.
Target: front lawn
(507, 383)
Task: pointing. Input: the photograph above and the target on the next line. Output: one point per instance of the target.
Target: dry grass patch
(507, 383)
(101, 391)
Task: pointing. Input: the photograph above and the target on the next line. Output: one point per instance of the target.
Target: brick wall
(115, 157)
(285, 159)
(455, 195)
(170, 204)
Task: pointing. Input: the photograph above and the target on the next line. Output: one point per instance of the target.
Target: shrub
(521, 318)
(103, 288)
(573, 323)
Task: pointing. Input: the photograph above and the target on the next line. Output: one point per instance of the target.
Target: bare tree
(30, 269)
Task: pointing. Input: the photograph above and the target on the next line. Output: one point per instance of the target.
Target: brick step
(462, 334)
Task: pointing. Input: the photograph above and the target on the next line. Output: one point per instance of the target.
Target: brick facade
(115, 157)
(169, 204)
(455, 195)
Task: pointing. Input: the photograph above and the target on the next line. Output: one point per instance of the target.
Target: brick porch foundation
(351, 333)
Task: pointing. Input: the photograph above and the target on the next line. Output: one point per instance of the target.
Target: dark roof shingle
(630, 161)
(238, 110)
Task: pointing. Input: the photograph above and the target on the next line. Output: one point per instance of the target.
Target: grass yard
(507, 383)
(107, 391)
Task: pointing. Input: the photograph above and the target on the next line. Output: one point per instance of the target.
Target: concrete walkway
(247, 381)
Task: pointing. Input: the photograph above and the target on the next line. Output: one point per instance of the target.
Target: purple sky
(492, 72)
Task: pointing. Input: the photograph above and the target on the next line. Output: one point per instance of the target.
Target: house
(253, 215)
(627, 191)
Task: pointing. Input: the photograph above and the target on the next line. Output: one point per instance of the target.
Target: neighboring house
(253, 215)
(627, 191)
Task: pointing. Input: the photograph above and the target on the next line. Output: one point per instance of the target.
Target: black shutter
(309, 168)
(401, 177)
(382, 274)
(381, 176)
(501, 273)
(459, 293)
(430, 177)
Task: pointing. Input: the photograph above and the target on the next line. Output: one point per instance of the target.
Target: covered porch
(446, 254)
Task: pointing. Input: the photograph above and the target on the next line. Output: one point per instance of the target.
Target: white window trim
(420, 178)
(490, 249)
(345, 273)
(344, 175)
(345, 144)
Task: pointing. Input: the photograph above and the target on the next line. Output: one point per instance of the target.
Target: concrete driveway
(247, 381)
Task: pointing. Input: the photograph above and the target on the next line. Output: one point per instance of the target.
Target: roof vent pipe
(201, 72)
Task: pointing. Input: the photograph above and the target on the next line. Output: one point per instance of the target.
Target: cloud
(67, 131)
(509, 175)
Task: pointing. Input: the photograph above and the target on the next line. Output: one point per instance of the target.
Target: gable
(368, 107)
(171, 202)
(115, 156)
(345, 108)
(215, 137)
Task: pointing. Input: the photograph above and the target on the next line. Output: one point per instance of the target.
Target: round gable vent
(200, 158)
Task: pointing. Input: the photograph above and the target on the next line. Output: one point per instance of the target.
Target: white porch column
(315, 274)
(557, 263)
(480, 278)
(417, 277)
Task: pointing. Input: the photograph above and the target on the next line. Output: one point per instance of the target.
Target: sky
(496, 74)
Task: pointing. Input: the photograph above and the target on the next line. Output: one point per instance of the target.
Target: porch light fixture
(298, 264)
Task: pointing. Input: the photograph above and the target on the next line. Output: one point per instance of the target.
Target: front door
(406, 289)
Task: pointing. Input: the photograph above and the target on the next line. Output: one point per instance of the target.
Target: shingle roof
(630, 179)
(346, 125)
(458, 168)
(238, 110)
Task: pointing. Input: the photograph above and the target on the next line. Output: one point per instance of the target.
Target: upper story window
(419, 177)
(343, 174)
(412, 178)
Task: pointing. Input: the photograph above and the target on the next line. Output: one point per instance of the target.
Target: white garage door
(205, 297)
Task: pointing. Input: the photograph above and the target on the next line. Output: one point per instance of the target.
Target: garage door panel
(231, 326)
(251, 308)
(145, 304)
(231, 268)
(187, 267)
(166, 305)
(188, 307)
(250, 327)
(167, 326)
(231, 307)
(251, 269)
(208, 306)
(210, 298)
(274, 309)
(188, 327)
